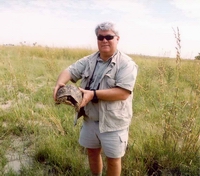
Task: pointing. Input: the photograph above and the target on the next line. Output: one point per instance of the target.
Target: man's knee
(113, 161)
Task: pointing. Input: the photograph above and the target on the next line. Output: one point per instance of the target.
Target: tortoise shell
(69, 94)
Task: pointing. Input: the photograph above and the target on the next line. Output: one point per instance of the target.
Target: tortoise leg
(79, 114)
(75, 118)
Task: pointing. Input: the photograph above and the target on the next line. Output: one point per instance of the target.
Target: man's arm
(63, 78)
(113, 94)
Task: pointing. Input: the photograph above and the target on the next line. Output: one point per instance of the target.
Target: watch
(95, 98)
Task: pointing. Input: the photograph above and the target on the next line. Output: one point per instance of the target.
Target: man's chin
(105, 50)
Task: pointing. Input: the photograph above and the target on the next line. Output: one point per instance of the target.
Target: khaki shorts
(113, 143)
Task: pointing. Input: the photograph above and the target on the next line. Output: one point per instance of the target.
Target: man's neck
(106, 56)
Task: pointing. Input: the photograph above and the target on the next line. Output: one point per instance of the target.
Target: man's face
(107, 46)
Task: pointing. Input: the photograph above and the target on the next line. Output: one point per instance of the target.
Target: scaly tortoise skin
(71, 95)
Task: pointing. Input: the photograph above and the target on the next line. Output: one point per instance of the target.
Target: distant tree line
(197, 57)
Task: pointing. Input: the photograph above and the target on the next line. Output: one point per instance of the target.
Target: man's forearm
(112, 94)
(64, 77)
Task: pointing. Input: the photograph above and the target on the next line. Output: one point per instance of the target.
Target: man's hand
(56, 89)
(63, 79)
(87, 96)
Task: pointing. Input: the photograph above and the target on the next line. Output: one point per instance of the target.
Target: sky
(146, 27)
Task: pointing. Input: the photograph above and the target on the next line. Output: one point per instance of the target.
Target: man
(107, 81)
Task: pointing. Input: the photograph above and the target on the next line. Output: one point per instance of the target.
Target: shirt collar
(111, 58)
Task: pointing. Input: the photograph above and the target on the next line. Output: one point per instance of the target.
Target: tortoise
(71, 95)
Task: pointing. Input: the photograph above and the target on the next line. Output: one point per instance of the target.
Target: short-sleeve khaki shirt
(121, 72)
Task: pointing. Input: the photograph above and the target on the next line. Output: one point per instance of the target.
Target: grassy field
(38, 138)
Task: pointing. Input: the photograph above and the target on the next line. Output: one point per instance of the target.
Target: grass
(164, 134)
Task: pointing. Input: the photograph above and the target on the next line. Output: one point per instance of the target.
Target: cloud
(143, 27)
(190, 8)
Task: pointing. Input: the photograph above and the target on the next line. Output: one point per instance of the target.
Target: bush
(197, 57)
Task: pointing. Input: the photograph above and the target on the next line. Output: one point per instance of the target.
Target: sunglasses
(107, 37)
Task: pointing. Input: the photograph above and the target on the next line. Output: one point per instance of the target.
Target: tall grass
(167, 119)
(164, 134)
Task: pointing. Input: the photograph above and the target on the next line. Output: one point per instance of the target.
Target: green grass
(164, 134)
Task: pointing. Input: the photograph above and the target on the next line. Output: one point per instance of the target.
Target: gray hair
(106, 26)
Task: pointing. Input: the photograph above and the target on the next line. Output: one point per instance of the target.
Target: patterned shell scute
(69, 94)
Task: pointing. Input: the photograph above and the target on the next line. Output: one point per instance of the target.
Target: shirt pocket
(115, 105)
(110, 81)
